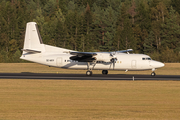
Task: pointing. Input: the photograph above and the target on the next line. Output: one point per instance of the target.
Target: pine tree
(171, 32)
(50, 8)
(149, 43)
(110, 19)
(60, 29)
(124, 34)
(87, 27)
(142, 24)
(175, 4)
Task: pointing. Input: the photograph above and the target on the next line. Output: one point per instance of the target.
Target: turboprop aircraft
(34, 50)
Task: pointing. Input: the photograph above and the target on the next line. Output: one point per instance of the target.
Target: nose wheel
(153, 74)
(104, 72)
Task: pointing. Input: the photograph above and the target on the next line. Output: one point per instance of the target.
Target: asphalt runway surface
(51, 76)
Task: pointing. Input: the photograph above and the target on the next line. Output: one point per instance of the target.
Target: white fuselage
(124, 61)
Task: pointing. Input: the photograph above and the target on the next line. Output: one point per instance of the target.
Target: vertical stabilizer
(33, 40)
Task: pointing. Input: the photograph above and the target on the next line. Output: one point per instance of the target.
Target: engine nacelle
(106, 57)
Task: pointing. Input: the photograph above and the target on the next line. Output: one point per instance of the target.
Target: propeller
(113, 60)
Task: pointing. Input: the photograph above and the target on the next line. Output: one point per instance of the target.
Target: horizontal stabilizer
(31, 51)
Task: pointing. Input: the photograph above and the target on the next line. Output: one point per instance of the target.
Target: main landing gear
(89, 73)
(104, 72)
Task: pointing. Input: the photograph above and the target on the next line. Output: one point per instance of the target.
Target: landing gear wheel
(89, 73)
(153, 74)
(104, 72)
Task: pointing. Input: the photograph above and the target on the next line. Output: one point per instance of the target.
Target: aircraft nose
(156, 64)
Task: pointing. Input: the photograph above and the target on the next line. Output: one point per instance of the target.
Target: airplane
(35, 51)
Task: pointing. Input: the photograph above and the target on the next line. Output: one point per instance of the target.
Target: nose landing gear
(153, 73)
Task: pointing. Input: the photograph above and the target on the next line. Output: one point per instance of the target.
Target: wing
(83, 56)
(124, 51)
(89, 56)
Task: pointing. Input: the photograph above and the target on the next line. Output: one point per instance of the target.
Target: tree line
(147, 26)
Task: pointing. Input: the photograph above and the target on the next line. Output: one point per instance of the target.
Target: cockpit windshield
(148, 58)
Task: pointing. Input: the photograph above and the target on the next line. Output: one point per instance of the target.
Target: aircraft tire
(153, 74)
(89, 73)
(104, 72)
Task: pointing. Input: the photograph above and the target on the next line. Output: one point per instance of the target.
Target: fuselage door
(59, 61)
(133, 63)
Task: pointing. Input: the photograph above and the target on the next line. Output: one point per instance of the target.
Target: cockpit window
(146, 58)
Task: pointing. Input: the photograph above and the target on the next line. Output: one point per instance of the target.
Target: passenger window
(143, 58)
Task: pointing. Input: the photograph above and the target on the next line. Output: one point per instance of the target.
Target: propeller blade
(113, 64)
(113, 61)
(110, 65)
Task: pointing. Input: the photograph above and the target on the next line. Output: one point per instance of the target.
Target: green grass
(89, 100)
(169, 69)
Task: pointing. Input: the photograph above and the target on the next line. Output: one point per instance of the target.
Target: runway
(51, 76)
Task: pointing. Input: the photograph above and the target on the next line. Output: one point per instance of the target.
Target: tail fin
(33, 41)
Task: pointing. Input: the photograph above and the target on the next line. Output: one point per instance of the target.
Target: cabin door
(133, 64)
(59, 61)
